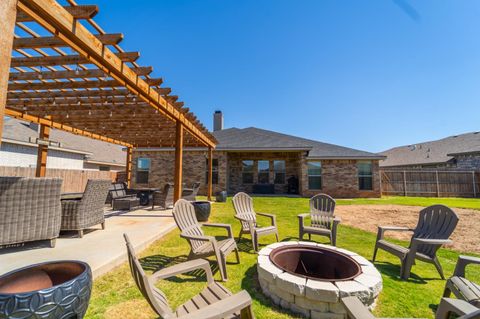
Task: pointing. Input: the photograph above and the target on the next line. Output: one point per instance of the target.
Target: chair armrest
(198, 237)
(457, 306)
(272, 217)
(426, 241)
(356, 309)
(223, 308)
(183, 268)
(383, 229)
(226, 226)
(462, 263)
(337, 220)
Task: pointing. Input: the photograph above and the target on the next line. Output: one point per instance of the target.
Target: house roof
(432, 152)
(255, 139)
(95, 151)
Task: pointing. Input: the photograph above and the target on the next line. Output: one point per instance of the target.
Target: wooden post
(8, 15)
(177, 192)
(210, 172)
(128, 167)
(405, 183)
(438, 186)
(42, 152)
(474, 184)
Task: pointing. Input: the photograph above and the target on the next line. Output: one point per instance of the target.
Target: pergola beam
(78, 12)
(177, 185)
(66, 60)
(42, 151)
(52, 42)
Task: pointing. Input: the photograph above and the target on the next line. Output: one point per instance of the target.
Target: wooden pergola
(59, 69)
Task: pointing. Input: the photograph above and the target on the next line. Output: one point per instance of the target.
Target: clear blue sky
(364, 74)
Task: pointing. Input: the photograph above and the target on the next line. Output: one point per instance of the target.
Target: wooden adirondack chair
(461, 287)
(244, 212)
(357, 310)
(214, 302)
(322, 219)
(435, 225)
(201, 245)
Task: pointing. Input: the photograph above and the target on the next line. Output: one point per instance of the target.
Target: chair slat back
(322, 210)
(156, 298)
(186, 220)
(243, 205)
(435, 222)
(94, 196)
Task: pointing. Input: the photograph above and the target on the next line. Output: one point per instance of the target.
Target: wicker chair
(88, 211)
(30, 209)
(322, 219)
(201, 245)
(244, 212)
(191, 193)
(121, 197)
(164, 198)
(435, 225)
(213, 302)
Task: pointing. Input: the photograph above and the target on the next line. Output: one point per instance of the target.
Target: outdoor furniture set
(33, 209)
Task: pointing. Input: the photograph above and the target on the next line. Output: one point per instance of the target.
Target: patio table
(145, 194)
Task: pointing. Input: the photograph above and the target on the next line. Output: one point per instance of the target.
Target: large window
(214, 171)
(247, 172)
(143, 169)
(365, 175)
(263, 172)
(279, 170)
(314, 175)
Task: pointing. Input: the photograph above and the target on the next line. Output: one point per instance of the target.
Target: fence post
(404, 183)
(438, 187)
(474, 184)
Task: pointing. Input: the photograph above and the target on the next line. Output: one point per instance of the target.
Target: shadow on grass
(393, 271)
(155, 263)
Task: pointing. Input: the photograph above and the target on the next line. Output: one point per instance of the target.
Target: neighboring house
(256, 160)
(461, 152)
(66, 151)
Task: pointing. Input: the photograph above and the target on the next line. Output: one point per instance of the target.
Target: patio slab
(103, 250)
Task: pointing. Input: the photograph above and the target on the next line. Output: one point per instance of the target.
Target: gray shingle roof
(432, 152)
(252, 138)
(97, 151)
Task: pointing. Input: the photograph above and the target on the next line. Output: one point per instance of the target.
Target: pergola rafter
(61, 75)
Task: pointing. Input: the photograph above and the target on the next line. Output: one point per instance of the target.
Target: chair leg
(221, 265)
(237, 255)
(447, 292)
(255, 242)
(246, 313)
(375, 253)
(333, 239)
(239, 236)
(103, 226)
(436, 262)
(309, 236)
(53, 241)
(80, 233)
(407, 264)
(276, 236)
(300, 235)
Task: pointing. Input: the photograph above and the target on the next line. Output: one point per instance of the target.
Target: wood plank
(78, 12)
(63, 85)
(52, 42)
(42, 151)
(8, 10)
(66, 60)
(177, 191)
(65, 94)
(128, 167)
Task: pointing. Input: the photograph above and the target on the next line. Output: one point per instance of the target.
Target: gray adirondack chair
(213, 302)
(461, 287)
(244, 212)
(435, 225)
(357, 310)
(323, 221)
(201, 245)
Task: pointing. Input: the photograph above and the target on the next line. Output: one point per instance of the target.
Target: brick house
(260, 161)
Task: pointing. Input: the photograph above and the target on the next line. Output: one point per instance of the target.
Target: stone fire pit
(309, 278)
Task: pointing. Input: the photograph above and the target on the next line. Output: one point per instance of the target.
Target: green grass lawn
(115, 295)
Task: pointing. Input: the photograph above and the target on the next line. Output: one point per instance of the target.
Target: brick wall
(468, 162)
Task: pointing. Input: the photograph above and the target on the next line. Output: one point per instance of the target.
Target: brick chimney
(217, 121)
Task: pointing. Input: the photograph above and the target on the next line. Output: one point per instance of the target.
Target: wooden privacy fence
(430, 183)
(73, 180)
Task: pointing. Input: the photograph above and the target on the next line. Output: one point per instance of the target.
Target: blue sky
(364, 74)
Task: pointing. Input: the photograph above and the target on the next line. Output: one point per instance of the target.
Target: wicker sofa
(88, 211)
(30, 210)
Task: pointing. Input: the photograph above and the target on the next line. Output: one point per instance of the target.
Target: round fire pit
(309, 278)
(59, 289)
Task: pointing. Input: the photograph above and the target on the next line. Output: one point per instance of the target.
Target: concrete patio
(103, 250)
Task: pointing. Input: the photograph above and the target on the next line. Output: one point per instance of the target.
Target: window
(214, 171)
(314, 175)
(263, 172)
(104, 168)
(247, 172)
(279, 170)
(143, 169)
(365, 175)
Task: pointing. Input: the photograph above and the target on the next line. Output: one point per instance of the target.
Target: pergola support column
(210, 173)
(177, 192)
(42, 154)
(8, 14)
(128, 167)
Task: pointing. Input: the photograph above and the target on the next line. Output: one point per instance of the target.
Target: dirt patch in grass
(134, 309)
(369, 217)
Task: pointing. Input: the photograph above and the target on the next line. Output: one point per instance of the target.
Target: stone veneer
(313, 298)
(339, 177)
